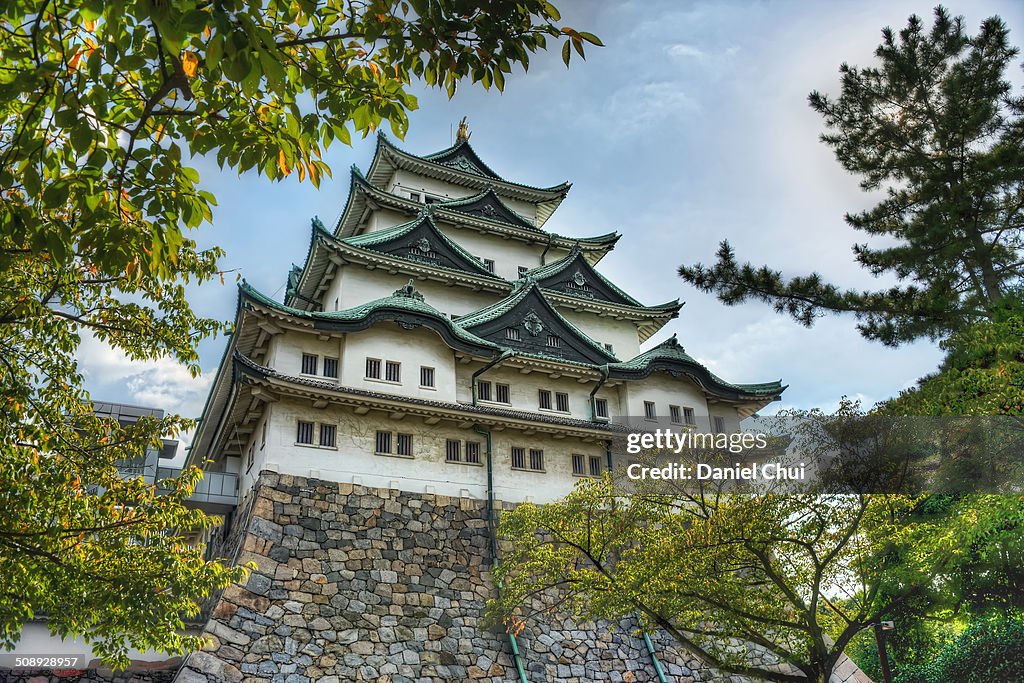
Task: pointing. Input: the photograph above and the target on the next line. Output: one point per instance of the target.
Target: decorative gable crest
(533, 324)
(409, 291)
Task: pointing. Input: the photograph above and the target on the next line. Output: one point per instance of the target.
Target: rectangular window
(522, 271)
(483, 390)
(512, 333)
(327, 435)
(372, 368)
(544, 399)
(519, 457)
(249, 460)
(595, 465)
(427, 199)
(453, 450)
(553, 341)
(577, 464)
(601, 407)
(393, 371)
(473, 452)
(383, 442)
(331, 367)
(689, 417)
(405, 444)
(501, 393)
(649, 412)
(426, 376)
(609, 348)
(263, 435)
(675, 415)
(536, 459)
(561, 402)
(415, 196)
(305, 433)
(308, 364)
(489, 265)
(719, 425)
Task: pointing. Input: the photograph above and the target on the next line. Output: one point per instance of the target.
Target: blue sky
(691, 126)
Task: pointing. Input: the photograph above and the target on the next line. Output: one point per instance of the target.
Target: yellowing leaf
(282, 163)
(189, 63)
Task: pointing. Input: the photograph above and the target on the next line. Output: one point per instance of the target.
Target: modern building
(440, 339)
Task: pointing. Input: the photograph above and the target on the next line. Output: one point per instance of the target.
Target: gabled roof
(669, 356)
(461, 166)
(420, 240)
(535, 320)
(488, 205)
(573, 275)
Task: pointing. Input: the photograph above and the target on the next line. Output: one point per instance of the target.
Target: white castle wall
(621, 334)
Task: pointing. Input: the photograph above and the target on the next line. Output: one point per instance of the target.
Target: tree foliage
(935, 127)
(797, 575)
(102, 105)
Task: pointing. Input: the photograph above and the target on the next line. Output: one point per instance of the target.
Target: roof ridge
(563, 263)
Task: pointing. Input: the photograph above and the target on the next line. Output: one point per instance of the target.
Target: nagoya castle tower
(438, 356)
(438, 327)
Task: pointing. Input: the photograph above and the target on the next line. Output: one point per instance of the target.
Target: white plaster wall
(665, 390)
(382, 219)
(507, 254)
(412, 348)
(289, 347)
(355, 285)
(523, 390)
(621, 334)
(36, 640)
(427, 471)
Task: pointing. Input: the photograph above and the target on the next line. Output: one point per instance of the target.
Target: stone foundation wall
(361, 584)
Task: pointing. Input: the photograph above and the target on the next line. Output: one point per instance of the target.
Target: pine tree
(934, 125)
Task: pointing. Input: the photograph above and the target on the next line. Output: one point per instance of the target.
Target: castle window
(263, 435)
(501, 393)
(553, 341)
(489, 265)
(393, 371)
(675, 415)
(512, 333)
(473, 452)
(416, 196)
(427, 199)
(601, 407)
(405, 445)
(249, 459)
(518, 458)
(483, 390)
(689, 417)
(595, 465)
(609, 348)
(522, 271)
(308, 364)
(719, 424)
(328, 434)
(305, 433)
(649, 412)
(372, 368)
(536, 459)
(331, 367)
(577, 464)
(426, 377)
(561, 402)
(383, 445)
(453, 450)
(545, 399)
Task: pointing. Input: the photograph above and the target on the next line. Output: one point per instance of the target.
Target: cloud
(686, 51)
(637, 106)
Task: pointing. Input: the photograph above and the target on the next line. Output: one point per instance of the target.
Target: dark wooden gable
(488, 205)
(578, 278)
(425, 244)
(538, 330)
(461, 157)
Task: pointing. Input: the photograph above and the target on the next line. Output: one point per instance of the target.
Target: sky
(689, 127)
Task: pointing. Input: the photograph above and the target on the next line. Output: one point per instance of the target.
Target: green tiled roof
(556, 267)
(489, 194)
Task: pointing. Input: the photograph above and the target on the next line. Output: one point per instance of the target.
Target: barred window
(595, 465)
(519, 457)
(544, 399)
(501, 393)
(609, 348)
(330, 367)
(553, 341)
(649, 412)
(426, 376)
(373, 368)
(393, 371)
(536, 459)
(249, 459)
(577, 464)
(308, 364)
(719, 425)
(522, 271)
(489, 265)
(473, 452)
(453, 450)
(483, 390)
(305, 433)
(675, 414)
(562, 402)
(601, 407)
(512, 333)
(405, 444)
(383, 442)
(688, 415)
(327, 435)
